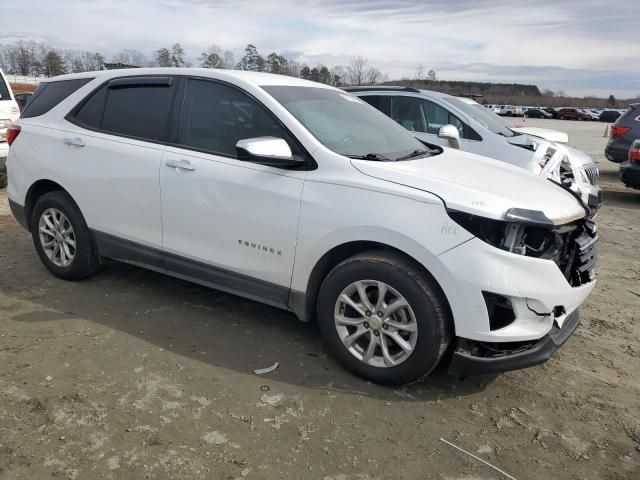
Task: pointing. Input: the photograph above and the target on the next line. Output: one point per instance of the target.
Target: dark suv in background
(623, 133)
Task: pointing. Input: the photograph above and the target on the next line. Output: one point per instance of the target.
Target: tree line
(30, 58)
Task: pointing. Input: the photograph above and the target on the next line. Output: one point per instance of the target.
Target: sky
(583, 47)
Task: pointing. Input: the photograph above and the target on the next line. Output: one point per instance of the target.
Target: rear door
(111, 147)
(228, 223)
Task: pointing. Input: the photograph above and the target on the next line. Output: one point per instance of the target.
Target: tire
(427, 312)
(3, 179)
(83, 260)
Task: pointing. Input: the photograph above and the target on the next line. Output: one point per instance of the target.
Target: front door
(227, 222)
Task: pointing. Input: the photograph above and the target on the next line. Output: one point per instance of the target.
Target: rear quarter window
(4, 90)
(50, 94)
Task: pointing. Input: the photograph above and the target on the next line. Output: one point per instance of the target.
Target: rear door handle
(180, 164)
(76, 142)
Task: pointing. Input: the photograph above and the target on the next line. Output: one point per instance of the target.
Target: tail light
(618, 131)
(634, 153)
(12, 133)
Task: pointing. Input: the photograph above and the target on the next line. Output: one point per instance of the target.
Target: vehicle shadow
(221, 329)
(628, 198)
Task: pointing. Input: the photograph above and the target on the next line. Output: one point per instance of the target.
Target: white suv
(304, 197)
(9, 112)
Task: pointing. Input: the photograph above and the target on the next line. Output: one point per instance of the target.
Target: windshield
(484, 116)
(345, 124)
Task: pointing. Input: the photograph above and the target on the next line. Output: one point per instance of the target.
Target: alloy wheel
(57, 238)
(375, 323)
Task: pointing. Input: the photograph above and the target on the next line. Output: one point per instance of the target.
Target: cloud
(560, 44)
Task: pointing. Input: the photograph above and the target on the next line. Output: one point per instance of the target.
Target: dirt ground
(132, 375)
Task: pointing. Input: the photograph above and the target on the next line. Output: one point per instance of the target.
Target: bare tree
(130, 56)
(431, 75)
(420, 72)
(357, 70)
(215, 57)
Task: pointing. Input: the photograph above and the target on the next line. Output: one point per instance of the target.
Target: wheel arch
(36, 190)
(303, 304)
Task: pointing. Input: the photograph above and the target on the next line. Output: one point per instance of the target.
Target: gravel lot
(134, 375)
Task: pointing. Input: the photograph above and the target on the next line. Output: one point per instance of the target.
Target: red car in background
(572, 114)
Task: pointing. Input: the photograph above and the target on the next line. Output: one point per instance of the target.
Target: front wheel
(383, 318)
(61, 237)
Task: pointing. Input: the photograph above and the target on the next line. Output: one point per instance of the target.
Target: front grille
(579, 254)
(593, 174)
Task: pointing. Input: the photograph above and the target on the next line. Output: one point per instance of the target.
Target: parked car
(22, 99)
(623, 133)
(506, 110)
(630, 170)
(552, 111)
(537, 113)
(478, 130)
(610, 116)
(572, 114)
(592, 115)
(8, 114)
(302, 196)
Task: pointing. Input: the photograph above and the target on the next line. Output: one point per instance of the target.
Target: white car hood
(478, 185)
(545, 133)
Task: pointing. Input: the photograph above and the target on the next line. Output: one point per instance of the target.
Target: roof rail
(380, 87)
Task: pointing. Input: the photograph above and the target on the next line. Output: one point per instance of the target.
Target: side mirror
(451, 134)
(271, 151)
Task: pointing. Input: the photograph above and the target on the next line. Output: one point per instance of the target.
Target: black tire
(85, 261)
(3, 179)
(421, 292)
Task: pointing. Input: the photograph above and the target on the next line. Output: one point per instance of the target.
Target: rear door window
(136, 107)
(376, 101)
(50, 94)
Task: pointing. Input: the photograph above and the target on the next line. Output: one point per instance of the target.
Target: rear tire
(393, 345)
(61, 237)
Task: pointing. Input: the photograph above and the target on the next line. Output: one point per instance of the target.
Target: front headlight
(523, 232)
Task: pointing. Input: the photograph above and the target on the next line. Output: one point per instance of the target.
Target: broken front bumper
(482, 358)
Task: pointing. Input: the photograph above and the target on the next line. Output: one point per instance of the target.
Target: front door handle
(180, 164)
(76, 142)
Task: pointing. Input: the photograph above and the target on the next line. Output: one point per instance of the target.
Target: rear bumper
(479, 358)
(19, 214)
(630, 174)
(617, 152)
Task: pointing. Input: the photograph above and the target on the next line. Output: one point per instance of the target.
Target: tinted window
(419, 115)
(215, 117)
(140, 111)
(50, 94)
(4, 90)
(376, 101)
(90, 113)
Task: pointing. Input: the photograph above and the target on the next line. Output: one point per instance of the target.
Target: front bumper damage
(484, 358)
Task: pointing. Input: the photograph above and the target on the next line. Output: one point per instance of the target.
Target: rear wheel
(61, 237)
(383, 318)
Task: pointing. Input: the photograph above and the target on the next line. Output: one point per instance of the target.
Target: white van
(9, 113)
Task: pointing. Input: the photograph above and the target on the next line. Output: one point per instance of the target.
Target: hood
(545, 133)
(478, 185)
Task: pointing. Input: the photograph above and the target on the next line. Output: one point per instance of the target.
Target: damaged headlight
(524, 232)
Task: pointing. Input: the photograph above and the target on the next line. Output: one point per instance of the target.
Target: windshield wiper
(370, 156)
(415, 153)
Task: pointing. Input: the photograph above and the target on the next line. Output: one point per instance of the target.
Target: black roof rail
(372, 88)
(471, 95)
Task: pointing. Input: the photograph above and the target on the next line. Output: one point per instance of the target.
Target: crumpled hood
(544, 133)
(478, 185)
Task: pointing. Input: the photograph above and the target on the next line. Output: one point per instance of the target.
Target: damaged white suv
(304, 197)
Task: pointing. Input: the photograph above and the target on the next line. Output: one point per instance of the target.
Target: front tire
(383, 318)
(61, 237)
